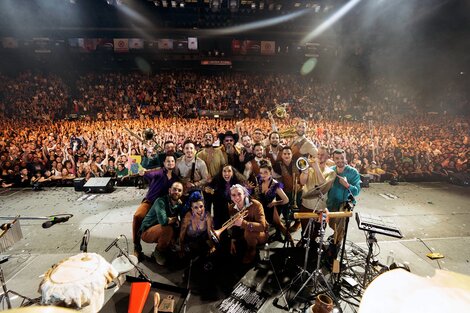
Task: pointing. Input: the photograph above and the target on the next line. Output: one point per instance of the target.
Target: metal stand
(337, 285)
(370, 244)
(317, 273)
(5, 297)
(141, 272)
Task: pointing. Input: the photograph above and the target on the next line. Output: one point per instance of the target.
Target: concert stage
(434, 215)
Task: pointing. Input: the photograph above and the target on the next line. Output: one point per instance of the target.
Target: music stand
(10, 235)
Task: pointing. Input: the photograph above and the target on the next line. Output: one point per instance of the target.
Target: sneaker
(159, 257)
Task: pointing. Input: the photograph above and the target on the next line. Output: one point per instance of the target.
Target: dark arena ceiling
(42, 17)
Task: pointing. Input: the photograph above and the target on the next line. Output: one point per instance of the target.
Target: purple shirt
(158, 184)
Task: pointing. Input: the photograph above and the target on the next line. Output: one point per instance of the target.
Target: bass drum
(78, 282)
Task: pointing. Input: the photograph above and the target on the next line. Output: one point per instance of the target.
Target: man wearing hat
(231, 154)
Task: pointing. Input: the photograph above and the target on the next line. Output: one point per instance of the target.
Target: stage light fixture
(157, 3)
(165, 3)
(233, 5)
(261, 5)
(253, 6)
(173, 3)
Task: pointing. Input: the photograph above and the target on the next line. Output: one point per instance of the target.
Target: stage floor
(436, 215)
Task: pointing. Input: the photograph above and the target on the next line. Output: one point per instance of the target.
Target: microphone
(112, 243)
(85, 239)
(54, 220)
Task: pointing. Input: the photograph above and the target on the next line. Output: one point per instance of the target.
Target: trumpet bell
(302, 164)
(215, 236)
(148, 134)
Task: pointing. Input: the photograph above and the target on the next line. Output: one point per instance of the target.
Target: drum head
(122, 264)
(76, 268)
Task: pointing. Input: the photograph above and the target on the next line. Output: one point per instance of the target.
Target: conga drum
(78, 282)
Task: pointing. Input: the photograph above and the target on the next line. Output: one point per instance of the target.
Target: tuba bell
(280, 111)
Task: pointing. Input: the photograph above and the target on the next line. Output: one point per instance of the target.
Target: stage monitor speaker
(365, 180)
(99, 185)
(460, 179)
(78, 183)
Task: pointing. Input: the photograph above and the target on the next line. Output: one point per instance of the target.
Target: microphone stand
(141, 272)
(337, 284)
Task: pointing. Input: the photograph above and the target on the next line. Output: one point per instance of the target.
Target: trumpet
(302, 164)
(215, 234)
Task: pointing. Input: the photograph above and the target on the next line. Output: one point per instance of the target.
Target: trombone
(148, 135)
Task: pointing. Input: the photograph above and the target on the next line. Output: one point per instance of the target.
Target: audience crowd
(37, 145)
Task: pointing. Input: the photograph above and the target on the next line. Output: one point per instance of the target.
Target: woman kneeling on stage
(251, 226)
(195, 228)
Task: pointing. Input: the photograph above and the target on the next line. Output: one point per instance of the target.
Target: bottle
(390, 258)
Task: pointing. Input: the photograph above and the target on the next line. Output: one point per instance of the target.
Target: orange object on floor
(138, 296)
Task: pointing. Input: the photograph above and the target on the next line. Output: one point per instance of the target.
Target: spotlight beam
(259, 24)
(330, 21)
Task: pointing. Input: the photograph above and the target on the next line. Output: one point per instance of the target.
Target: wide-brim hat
(228, 133)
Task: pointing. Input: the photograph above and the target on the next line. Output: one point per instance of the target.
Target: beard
(274, 145)
(229, 149)
(208, 145)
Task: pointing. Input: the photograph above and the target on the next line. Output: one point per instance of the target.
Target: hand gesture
(343, 181)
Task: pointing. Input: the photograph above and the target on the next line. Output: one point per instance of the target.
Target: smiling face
(189, 150)
(238, 196)
(227, 173)
(197, 208)
(265, 173)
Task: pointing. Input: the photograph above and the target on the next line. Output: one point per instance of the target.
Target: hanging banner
(192, 43)
(121, 45)
(268, 47)
(165, 44)
(136, 43)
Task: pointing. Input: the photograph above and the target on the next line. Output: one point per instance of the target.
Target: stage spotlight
(157, 3)
(215, 5)
(110, 2)
(233, 5)
(253, 6)
(261, 5)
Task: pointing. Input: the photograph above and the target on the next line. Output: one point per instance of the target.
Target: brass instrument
(302, 164)
(215, 234)
(148, 134)
(280, 111)
(288, 133)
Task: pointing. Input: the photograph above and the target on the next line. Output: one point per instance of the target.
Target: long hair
(237, 177)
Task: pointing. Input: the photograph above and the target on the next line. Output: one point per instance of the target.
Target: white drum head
(122, 264)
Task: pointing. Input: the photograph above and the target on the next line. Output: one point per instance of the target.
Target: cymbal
(41, 309)
(122, 264)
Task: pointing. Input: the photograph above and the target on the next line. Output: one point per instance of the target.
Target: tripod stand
(317, 274)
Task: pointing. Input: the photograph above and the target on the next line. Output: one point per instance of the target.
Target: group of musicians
(231, 196)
